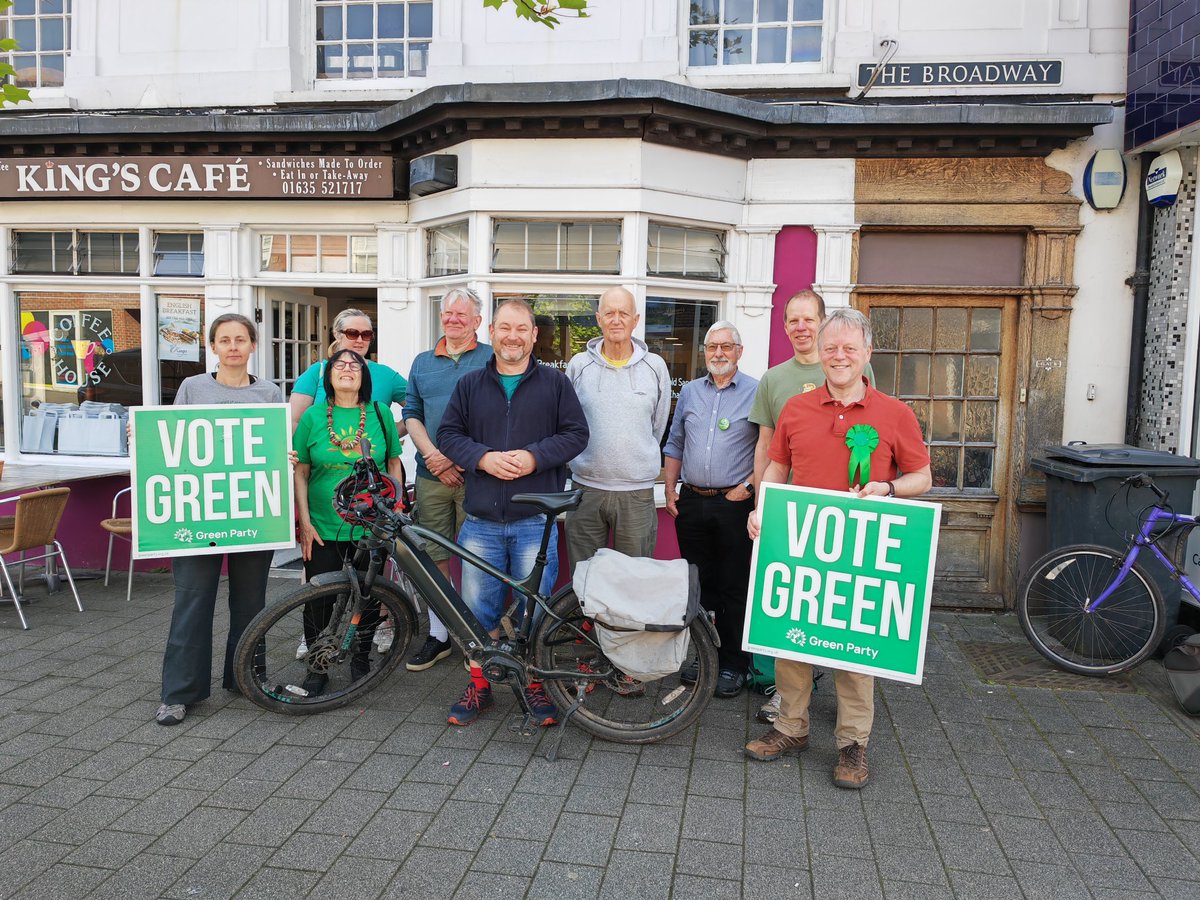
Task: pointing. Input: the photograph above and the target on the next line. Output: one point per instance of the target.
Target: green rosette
(861, 439)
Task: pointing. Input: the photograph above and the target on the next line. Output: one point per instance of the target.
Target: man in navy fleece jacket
(512, 426)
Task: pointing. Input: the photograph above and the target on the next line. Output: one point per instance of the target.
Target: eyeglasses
(345, 365)
(354, 334)
(724, 348)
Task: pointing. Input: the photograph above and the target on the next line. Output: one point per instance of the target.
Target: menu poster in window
(179, 336)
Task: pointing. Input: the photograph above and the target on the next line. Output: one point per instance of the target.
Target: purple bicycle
(1097, 611)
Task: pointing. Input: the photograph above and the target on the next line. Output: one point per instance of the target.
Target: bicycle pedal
(523, 725)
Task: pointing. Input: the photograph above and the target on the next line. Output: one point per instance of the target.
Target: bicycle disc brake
(324, 653)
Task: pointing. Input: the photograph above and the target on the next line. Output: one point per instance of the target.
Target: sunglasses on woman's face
(354, 334)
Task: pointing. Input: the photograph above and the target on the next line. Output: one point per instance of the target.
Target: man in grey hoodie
(625, 391)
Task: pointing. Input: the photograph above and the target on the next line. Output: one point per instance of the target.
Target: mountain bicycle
(1093, 610)
(555, 643)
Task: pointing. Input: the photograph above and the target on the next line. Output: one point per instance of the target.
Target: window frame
(9, 20)
(819, 65)
(318, 272)
(465, 253)
(79, 248)
(722, 234)
(562, 246)
(158, 256)
(374, 80)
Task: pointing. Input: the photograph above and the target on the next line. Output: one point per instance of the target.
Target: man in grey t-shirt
(625, 391)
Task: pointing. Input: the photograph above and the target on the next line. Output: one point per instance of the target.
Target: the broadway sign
(965, 74)
(198, 177)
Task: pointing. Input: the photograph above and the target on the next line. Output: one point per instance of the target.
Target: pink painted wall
(795, 269)
(84, 541)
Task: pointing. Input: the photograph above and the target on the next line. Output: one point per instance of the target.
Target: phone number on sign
(309, 188)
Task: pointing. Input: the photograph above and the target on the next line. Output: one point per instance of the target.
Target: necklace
(351, 442)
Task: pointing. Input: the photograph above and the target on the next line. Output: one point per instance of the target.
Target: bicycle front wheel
(1052, 606)
(305, 655)
(617, 709)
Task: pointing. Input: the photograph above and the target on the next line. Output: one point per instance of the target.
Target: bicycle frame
(1157, 514)
(440, 594)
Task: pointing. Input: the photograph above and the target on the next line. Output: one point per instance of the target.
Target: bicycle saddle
(552, 503)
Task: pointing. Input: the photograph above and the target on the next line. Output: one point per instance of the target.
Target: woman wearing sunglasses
(327, 442)
(351, 331)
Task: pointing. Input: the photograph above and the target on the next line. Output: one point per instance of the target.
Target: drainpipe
(1140, 282)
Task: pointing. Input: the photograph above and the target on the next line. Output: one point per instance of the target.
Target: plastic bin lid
(1119, 455)
(1086, 463)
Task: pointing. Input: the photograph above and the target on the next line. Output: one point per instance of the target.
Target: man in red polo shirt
(810, 440)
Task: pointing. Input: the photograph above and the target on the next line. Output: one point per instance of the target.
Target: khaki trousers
(855, 702)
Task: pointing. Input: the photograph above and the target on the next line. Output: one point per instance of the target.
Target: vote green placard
(210, 479)
(843, 582)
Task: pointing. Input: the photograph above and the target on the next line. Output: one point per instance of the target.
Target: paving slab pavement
(978, 789)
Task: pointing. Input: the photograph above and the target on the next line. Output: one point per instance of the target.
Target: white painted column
(224, 258)
(400, 324)
(752, 273)
(835, 251)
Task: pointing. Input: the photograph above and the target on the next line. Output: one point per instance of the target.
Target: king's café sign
(843, 582)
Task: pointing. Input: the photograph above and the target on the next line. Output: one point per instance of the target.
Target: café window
(446, 249)
(675, 330)
(565, 324)
(676, 251)
(42, 30)
(324, 254)
(593, 247)
(179, 254)
(360, 39)
(81, 368)
(754, 32)
(75, 252)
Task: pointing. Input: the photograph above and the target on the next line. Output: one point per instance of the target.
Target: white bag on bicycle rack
(642, 609)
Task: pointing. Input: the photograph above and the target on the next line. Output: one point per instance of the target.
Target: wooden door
(952, 360)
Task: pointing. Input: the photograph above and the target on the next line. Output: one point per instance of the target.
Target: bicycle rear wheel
(1052, 606)
(565, 640)
(338, 666)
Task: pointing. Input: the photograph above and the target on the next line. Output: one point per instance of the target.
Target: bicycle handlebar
(1142, 480)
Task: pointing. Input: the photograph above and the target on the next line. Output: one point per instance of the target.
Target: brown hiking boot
(775, 744)
(851, 769)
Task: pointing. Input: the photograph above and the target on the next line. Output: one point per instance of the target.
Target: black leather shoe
(690, 673)
(730, 683)
(314, 683)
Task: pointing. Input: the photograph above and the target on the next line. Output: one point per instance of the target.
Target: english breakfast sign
(198, 177)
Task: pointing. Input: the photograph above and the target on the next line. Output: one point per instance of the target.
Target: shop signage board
(211, 479)
(328, 177)
(843, 582)
(971, 73)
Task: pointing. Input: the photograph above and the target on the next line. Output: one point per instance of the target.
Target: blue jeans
(511, 547)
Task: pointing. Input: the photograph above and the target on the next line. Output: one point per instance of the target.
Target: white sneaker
(302, 649)
(769, 711)
(384, 635)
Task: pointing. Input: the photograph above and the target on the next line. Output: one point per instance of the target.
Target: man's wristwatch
(749, 486)
(891, 488)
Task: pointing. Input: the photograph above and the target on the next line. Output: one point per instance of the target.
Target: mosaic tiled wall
(1166, 319)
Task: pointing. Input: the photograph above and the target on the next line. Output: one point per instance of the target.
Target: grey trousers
(187, 664)
(630, 517)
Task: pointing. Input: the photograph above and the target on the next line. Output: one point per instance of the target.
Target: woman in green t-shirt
(327, 442)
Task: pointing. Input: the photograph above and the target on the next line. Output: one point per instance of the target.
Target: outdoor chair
(122, 528)
(34, 526)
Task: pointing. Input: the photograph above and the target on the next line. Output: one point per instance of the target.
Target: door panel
(951, 359)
